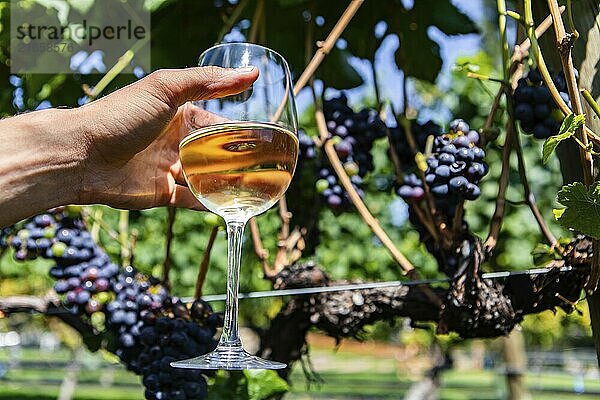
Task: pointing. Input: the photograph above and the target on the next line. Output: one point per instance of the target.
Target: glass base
(228, 358)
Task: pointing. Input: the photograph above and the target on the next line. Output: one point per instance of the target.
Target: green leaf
(83, 6)
(229, 385)
(247, 385)
(569, 125)
(418, 55)
(152, 5)
(558, 212)
(336, 70)
(263, 384)
(582, 212)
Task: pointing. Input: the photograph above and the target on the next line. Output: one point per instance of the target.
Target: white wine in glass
(239, 168)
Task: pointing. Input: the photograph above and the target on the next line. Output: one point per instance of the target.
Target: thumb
(177, 86)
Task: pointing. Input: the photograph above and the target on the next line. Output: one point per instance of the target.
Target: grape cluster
(137, 298)
(353, 135)
(179, 333)
(534, 106)
(453, 171)
(307, 150)
(4, 234)
(150, 328)
(83, 271)
(420, 133)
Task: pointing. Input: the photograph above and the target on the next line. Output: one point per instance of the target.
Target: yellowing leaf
(421, 161)
(558, 212)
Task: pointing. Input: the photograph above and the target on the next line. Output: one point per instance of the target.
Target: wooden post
(516, 365)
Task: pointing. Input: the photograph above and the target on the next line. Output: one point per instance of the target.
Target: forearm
(40, 161)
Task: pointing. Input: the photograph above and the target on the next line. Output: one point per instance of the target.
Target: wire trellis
(374, 285)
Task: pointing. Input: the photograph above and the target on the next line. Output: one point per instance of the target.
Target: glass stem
(230, 334)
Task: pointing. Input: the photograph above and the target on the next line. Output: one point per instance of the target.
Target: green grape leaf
(229, 385)
(418, 55)
(262, 384)
(582, 212)
(152, 5)
(247, 385)
(337, 71)
(569, 125)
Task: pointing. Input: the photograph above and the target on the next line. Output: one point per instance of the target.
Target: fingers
(176, 86)
(195, 117)
(183, 198)
(176, 171)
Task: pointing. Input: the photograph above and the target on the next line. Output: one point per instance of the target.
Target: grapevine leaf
(152, 5)
(569, 125)
(229, 385)
(418, 55)
(263, 384)
(582, 212)
(558, 212)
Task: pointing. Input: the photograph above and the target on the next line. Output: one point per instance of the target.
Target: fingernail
(245, 70)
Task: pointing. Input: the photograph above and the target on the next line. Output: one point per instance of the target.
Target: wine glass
(238, 168)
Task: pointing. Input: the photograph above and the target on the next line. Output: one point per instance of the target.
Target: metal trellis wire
(373, 285)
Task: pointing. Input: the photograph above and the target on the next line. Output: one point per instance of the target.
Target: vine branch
(168, 262)
(203, 269)
(324, 49)
(564, 43)
(124, 237)
(50, 305)
(529, 197)
(256, 20)
(590, 100)
(326, 46)
(355, 198)
(498, 216)
(235, 15)
(259, 250)
(541, 63)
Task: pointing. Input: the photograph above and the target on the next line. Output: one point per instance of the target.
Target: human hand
(131, 137)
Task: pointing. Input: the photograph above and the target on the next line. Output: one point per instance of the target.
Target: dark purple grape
(524, 94)
(445, 158)
(476, 171)
(61, 287)
(465, 154)
(440, 190)
(459, 125)
(449, 149)
(443, 171)
(540, 131)
(524, 112)
(542, 111)
(541, 95)
(534, 76)
(334, 201)
(458, 184)
(473, 137)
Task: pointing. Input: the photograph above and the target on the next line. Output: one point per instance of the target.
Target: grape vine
(145, 326)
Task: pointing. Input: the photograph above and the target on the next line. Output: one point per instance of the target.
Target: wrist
(41, 163)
